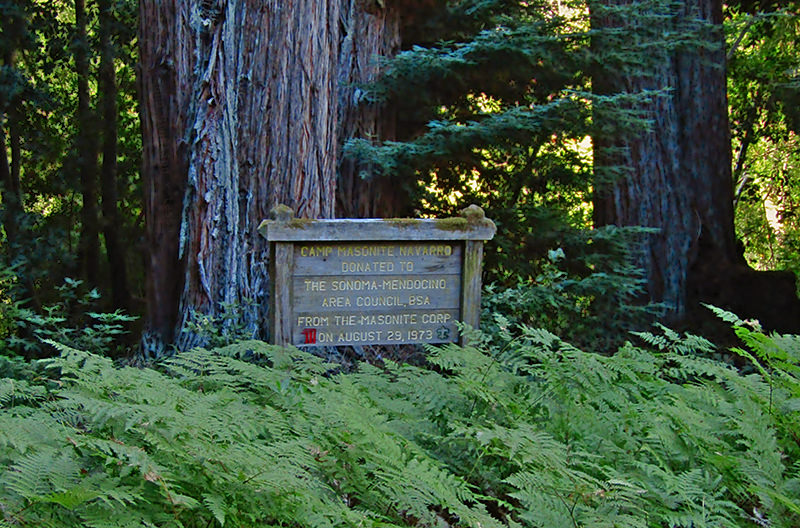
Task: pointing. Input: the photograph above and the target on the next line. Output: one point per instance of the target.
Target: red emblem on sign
(310, 335)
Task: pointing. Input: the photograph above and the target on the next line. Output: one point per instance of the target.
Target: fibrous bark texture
(263, 133)
(164, 83)
(680, 176)
(240, 113)
(366, 38)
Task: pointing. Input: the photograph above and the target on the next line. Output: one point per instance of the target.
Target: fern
(523, 430)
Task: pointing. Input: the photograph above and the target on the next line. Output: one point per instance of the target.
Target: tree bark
(366, 38)
(239, 114)
(115, 249)
(685, 154)
(86, 152)
(680, 180)
(164, 82)
(264, 133)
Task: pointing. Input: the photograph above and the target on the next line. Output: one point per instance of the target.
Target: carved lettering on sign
(353, 293)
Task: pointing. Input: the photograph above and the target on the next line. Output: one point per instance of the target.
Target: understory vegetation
(521, 429)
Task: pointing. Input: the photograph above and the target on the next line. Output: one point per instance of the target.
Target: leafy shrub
(11, 308)
(530, 431)
(231, 325)
(70, 320)
(591, 294)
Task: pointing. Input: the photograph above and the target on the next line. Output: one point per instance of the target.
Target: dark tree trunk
(11, 187)
(239, 114)
(9, 176)
(680, 181)
(13, 207)
(115, 249)
(684, 155)
(164, 77)
(12, 198)
(367, 36)
(748, 136)
(86, 152)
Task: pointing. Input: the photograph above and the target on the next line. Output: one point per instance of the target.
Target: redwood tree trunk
(264, 132)
(165, 71)
(680, 176)
(239, 114)
(366, 38)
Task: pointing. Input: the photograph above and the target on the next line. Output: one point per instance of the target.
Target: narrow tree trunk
(9, 176)
(115, 251)
(366, 38)
(86, 152)
(739, 178)
(12, 200)
(15, 185)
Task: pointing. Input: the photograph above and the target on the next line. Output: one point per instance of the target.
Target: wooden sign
(374, 282)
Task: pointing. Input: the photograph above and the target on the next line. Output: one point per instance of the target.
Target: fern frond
(41, 473)
(20, 392)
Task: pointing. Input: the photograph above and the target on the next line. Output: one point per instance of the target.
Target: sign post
(374, 281)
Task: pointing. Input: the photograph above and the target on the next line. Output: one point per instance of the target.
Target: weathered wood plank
(385, 292)
(300, 229)
(360, 328)
(349, 284)
(281, 264)
(308, 297)
(471, 283)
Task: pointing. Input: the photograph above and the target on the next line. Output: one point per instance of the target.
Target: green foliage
(764, 92)
(499, 107)
(71, 320)
(526, 431)
(492, 117)
(590, 294)
(38, 101)
(229, 326)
